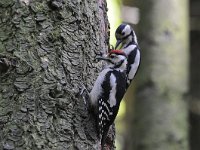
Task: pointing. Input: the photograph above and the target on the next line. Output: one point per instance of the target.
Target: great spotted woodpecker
(108, 91)
(126, 37)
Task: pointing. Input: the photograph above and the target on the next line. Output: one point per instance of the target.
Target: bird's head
(114, 57)
(124, 34)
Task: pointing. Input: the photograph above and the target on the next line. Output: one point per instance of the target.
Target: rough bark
(50, 46)
(194, 93)
(160, 107)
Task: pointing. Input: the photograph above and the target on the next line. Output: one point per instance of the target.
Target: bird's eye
(112, 56)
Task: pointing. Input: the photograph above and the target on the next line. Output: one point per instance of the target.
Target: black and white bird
(126, 37)
(108, 91)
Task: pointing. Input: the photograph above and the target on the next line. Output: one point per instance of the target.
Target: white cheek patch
(127, 30)
(118, 59)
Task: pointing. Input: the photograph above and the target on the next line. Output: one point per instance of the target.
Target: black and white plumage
(126, 37)
(108, 91)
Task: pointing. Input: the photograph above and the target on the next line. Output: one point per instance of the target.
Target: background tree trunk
(50, 46)
(160, 107)
(195, 75)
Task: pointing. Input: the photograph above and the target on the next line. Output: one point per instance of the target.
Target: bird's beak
(105, 58)
(117, 44)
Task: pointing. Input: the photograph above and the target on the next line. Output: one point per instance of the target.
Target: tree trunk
(194, 114)
(160, 107)
(47, 48)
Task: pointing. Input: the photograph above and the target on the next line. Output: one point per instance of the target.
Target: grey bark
(160, 107)
(51, 46)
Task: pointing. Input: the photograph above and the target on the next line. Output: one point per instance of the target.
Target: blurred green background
(161, 110)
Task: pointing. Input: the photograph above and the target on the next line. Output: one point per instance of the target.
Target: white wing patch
(129, 49)
(97, 88)
(112, 91)
(134, 66)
